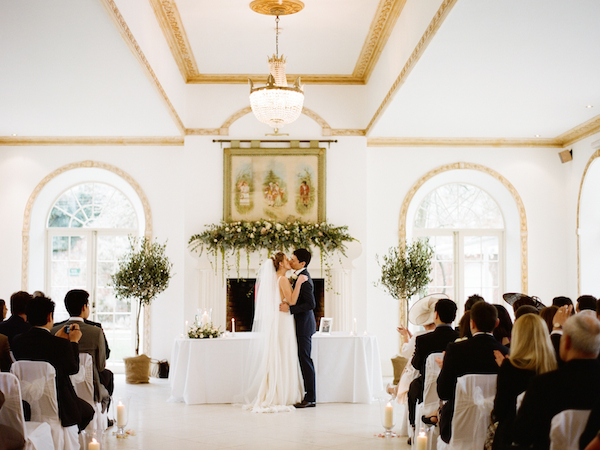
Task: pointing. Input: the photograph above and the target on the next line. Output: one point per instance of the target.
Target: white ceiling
(509, 68)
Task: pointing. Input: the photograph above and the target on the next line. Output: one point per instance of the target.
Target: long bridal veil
(264, 328)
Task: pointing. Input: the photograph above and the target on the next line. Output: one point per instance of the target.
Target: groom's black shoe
(305, 404)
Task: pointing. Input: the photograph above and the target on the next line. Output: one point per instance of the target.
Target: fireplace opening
(240, 302)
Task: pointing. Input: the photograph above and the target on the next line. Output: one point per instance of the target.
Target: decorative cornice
(347, 132)
(127, 35)
(170, 22)
(580, 132)
(89, 140)
(205, 132)
(434, 25)
(461, 142)
(382, 26)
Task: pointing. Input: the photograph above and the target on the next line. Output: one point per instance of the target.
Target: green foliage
(406, 273)
(144, 272)
(208, 331)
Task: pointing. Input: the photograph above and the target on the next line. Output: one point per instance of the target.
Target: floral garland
(208, 331)
(233, 237)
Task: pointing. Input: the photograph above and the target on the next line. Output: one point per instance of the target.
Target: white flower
(278, 226)
(286, 232)
(239, 230)
(216, 240)
(251, 235)
(227, 229)
(253, 228)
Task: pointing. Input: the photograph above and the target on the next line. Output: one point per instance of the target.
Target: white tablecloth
(348, 369)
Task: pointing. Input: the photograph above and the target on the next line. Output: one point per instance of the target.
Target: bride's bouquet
(208, 331)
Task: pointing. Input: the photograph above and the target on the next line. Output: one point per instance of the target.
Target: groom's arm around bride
(304, 318)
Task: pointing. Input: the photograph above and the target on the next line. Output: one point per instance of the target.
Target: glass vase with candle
(388, 408)
(121, 414)
(93, 440)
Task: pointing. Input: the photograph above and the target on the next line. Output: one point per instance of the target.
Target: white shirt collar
(76, 319)
(299, 271)
(481, 332)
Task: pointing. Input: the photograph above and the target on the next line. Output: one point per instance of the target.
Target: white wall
(365, 189)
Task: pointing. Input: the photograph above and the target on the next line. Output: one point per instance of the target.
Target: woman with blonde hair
(531, 353)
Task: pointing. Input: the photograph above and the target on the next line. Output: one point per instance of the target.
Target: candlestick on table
(205, 319)
(121, 414)
(94, 445)
(388, 420)
(233, 325)
(422, 441)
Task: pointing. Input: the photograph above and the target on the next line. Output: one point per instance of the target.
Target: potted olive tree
(143, 273)
(405, 272)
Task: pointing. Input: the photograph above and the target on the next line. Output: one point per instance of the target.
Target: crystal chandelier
(277, 104)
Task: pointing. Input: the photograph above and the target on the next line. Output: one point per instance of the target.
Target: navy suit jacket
(303, 310)
(13, 326)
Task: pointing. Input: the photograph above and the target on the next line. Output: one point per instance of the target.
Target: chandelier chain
(277, 36)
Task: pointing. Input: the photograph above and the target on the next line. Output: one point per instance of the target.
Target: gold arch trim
(471, 166)
(595, 155)
(76, 165)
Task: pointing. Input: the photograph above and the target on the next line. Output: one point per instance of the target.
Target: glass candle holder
(121, 414)
(421, 440)
(93, 440)
(388, 410)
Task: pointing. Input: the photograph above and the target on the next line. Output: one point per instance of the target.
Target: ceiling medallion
(277, 7)
(277, 104)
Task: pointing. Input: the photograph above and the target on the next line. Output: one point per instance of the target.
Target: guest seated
(586, 302)
(475, 298)
(3, 310)
(473, 356)
(531, 353)
(572, 386)
(17, 322)
(5, 361)
(562, 301)
(503, 331)
(436, 341)
(526, 309)
(10, 439)
(62, 351)
(92, 342)
(464, 327)
(562, 314)
(547, 314)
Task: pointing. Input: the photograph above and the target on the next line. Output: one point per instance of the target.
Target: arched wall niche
(500, 189)
(588, 236)
(48, 190)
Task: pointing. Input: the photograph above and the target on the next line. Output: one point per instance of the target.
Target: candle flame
(94, 441)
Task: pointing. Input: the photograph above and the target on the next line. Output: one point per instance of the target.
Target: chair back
(11, 413)
(566, 429)
(38, 388)
(431, 400)
(83, 381)
(473, 405)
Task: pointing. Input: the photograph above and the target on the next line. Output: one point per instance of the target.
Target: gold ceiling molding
(347, 132)
(90, 140)
(431, 30)
(382, 25)
(277, 7)
(585, 171)
(170, 22)
(461, 142)
(205, 132)
(580, 132)
(471, 166)
(127, 35)
(76, 165)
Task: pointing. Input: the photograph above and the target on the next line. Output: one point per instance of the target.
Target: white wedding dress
(275, 381)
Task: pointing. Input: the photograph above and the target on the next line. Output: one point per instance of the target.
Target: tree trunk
(403, 315)
(137, 329)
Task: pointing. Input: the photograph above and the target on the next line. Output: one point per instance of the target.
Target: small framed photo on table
(325, 325)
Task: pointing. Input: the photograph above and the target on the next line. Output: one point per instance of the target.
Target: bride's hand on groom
(284, 307)
(302, 279)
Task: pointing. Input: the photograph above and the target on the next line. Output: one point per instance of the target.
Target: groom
(305, 325)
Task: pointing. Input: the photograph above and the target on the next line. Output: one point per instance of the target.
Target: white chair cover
(38, 386)
(472, 407)
(83, 382)
(38, 436)
(431, 401)
(566, 429)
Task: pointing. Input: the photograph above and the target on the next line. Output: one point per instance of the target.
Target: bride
(275, 381)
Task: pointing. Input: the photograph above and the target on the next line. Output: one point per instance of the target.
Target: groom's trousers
(306, 367)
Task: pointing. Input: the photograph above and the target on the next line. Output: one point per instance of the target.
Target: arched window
(465, 227)
(87, 234)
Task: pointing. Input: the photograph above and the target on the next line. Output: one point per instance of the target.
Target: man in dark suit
(473, 356)
(17, 322)
(572, 386)
(92, 342)
(304, 317)
(426, 344)
(62, 351)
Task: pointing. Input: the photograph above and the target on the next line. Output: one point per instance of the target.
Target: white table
(348, 369)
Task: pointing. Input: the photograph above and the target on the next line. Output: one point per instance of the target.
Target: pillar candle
(94, 445)
(121, 415)
(422, 441)
(388, 416)
(205, 318)
(233, 325)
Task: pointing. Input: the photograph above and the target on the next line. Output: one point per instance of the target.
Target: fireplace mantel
(338, 298)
